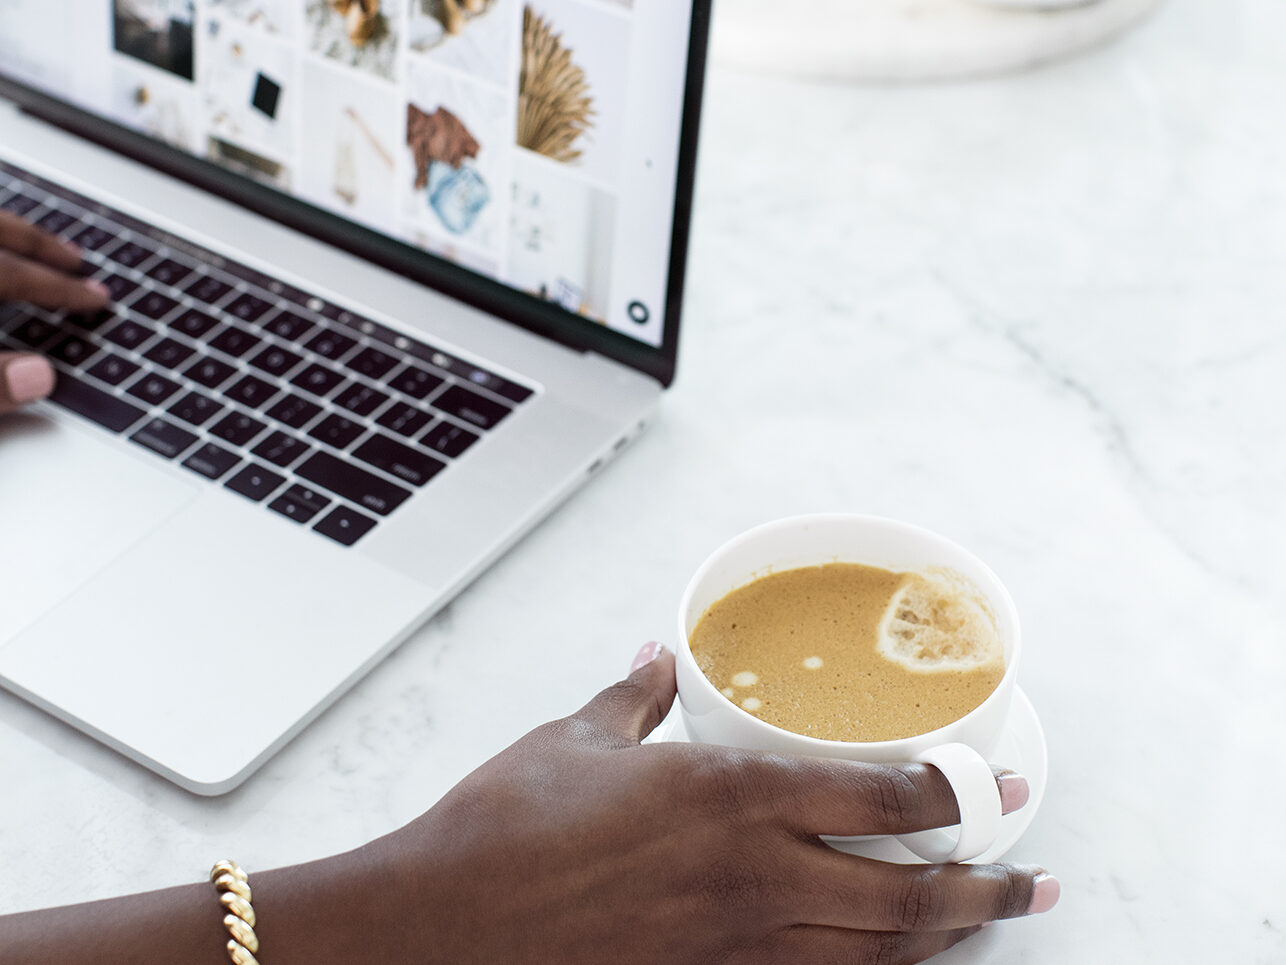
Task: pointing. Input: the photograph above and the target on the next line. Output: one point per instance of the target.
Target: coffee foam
(937, 621)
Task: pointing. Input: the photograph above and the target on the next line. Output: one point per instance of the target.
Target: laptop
(390, 281)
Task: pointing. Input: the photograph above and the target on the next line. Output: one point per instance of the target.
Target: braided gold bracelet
(234, 894)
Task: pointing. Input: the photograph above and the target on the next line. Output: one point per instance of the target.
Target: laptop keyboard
(327, 418)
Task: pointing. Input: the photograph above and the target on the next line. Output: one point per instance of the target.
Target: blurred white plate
(908, 40)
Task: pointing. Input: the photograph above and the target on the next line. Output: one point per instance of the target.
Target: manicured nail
(646, 655)
(29, 379)
(1014, 792)
(1044, 894)
(98, 288)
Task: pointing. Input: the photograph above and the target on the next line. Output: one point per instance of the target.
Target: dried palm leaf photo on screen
(555, 107)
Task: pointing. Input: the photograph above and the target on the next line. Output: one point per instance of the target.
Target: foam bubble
(751, 704)
(939, 623)
(728, 692)
(745, 678)
(812, 663)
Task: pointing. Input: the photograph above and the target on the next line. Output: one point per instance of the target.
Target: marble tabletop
(1041, 314)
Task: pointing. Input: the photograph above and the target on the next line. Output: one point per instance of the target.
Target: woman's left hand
(36, 267)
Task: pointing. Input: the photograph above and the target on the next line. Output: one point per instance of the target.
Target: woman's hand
(577, 844)
(36, 267)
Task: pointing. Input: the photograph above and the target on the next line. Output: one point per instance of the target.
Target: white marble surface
(1041, 314)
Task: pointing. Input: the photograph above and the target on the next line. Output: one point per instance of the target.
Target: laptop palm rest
(204, 616)
(55, 480)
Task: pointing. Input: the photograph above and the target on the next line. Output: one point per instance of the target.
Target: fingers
(23, 378)
(841, 891)
(807, 944)
(816, 796)
(28, 241)
(32, 281)
(629, 710)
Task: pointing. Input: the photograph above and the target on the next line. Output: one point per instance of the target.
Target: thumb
(630, 709)
(23, 378)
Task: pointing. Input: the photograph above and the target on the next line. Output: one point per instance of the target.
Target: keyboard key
(73, 350)
(294, 411)
(169, 272)
(19, 204)
(131, 254)
(163, 438)
(154, 305)
(93, 237)
(209, 372)
(371, 362)
(247, 307)
(469, 372)
(152, 388)
(129, 334)
(471, 407)
(331, 345)
(119, 287)
(251, 392)
(56, 221)
(207, 288)
(411, 465)
(94, 321)
(113, 369)
(234, 342)
(414, 382)
(193, 323)
(335, 430)
(169, 353)
(345, 526)
(281, 449)
(448, 439)
(288, 326)
(211, 461)
(299, 503)
(405, 420)
(353, 483)
(276, 361)
(238, 429)
(196, 409)
(35, 332)
(317, 379)
(96, 405)
(361, 399)
(255, 482)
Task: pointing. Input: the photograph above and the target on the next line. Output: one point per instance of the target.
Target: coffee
(849, 652)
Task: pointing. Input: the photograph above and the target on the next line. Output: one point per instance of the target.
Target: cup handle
(979, 800)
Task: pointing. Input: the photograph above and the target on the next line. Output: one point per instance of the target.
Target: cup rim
(1001, 600)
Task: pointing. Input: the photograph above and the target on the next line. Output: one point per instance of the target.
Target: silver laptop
(390, 282)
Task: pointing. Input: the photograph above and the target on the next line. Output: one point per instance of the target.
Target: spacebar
(95, 405)
(364, 488)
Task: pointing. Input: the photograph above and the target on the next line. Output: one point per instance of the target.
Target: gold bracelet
(234, 894)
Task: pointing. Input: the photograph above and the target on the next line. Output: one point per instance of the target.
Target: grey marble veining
(1041, 314)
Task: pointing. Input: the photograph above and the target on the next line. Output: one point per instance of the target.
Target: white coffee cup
(958, 749)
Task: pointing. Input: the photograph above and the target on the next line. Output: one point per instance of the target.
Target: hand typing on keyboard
(39, 268)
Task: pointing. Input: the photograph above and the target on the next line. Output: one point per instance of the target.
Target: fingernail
(1044, 894)
(98, 288)
(1014, 792)
(646, 655)
(72, 248)
(29, 379)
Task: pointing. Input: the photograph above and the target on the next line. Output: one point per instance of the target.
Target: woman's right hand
(579, 845)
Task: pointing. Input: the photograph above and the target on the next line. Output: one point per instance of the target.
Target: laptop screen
(532, 142)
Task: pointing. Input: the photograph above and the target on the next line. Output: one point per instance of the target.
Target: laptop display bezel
(486, 294)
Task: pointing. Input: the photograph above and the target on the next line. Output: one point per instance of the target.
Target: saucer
(1021, 748)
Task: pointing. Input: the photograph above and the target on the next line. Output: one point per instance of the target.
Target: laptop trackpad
(70, 503)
